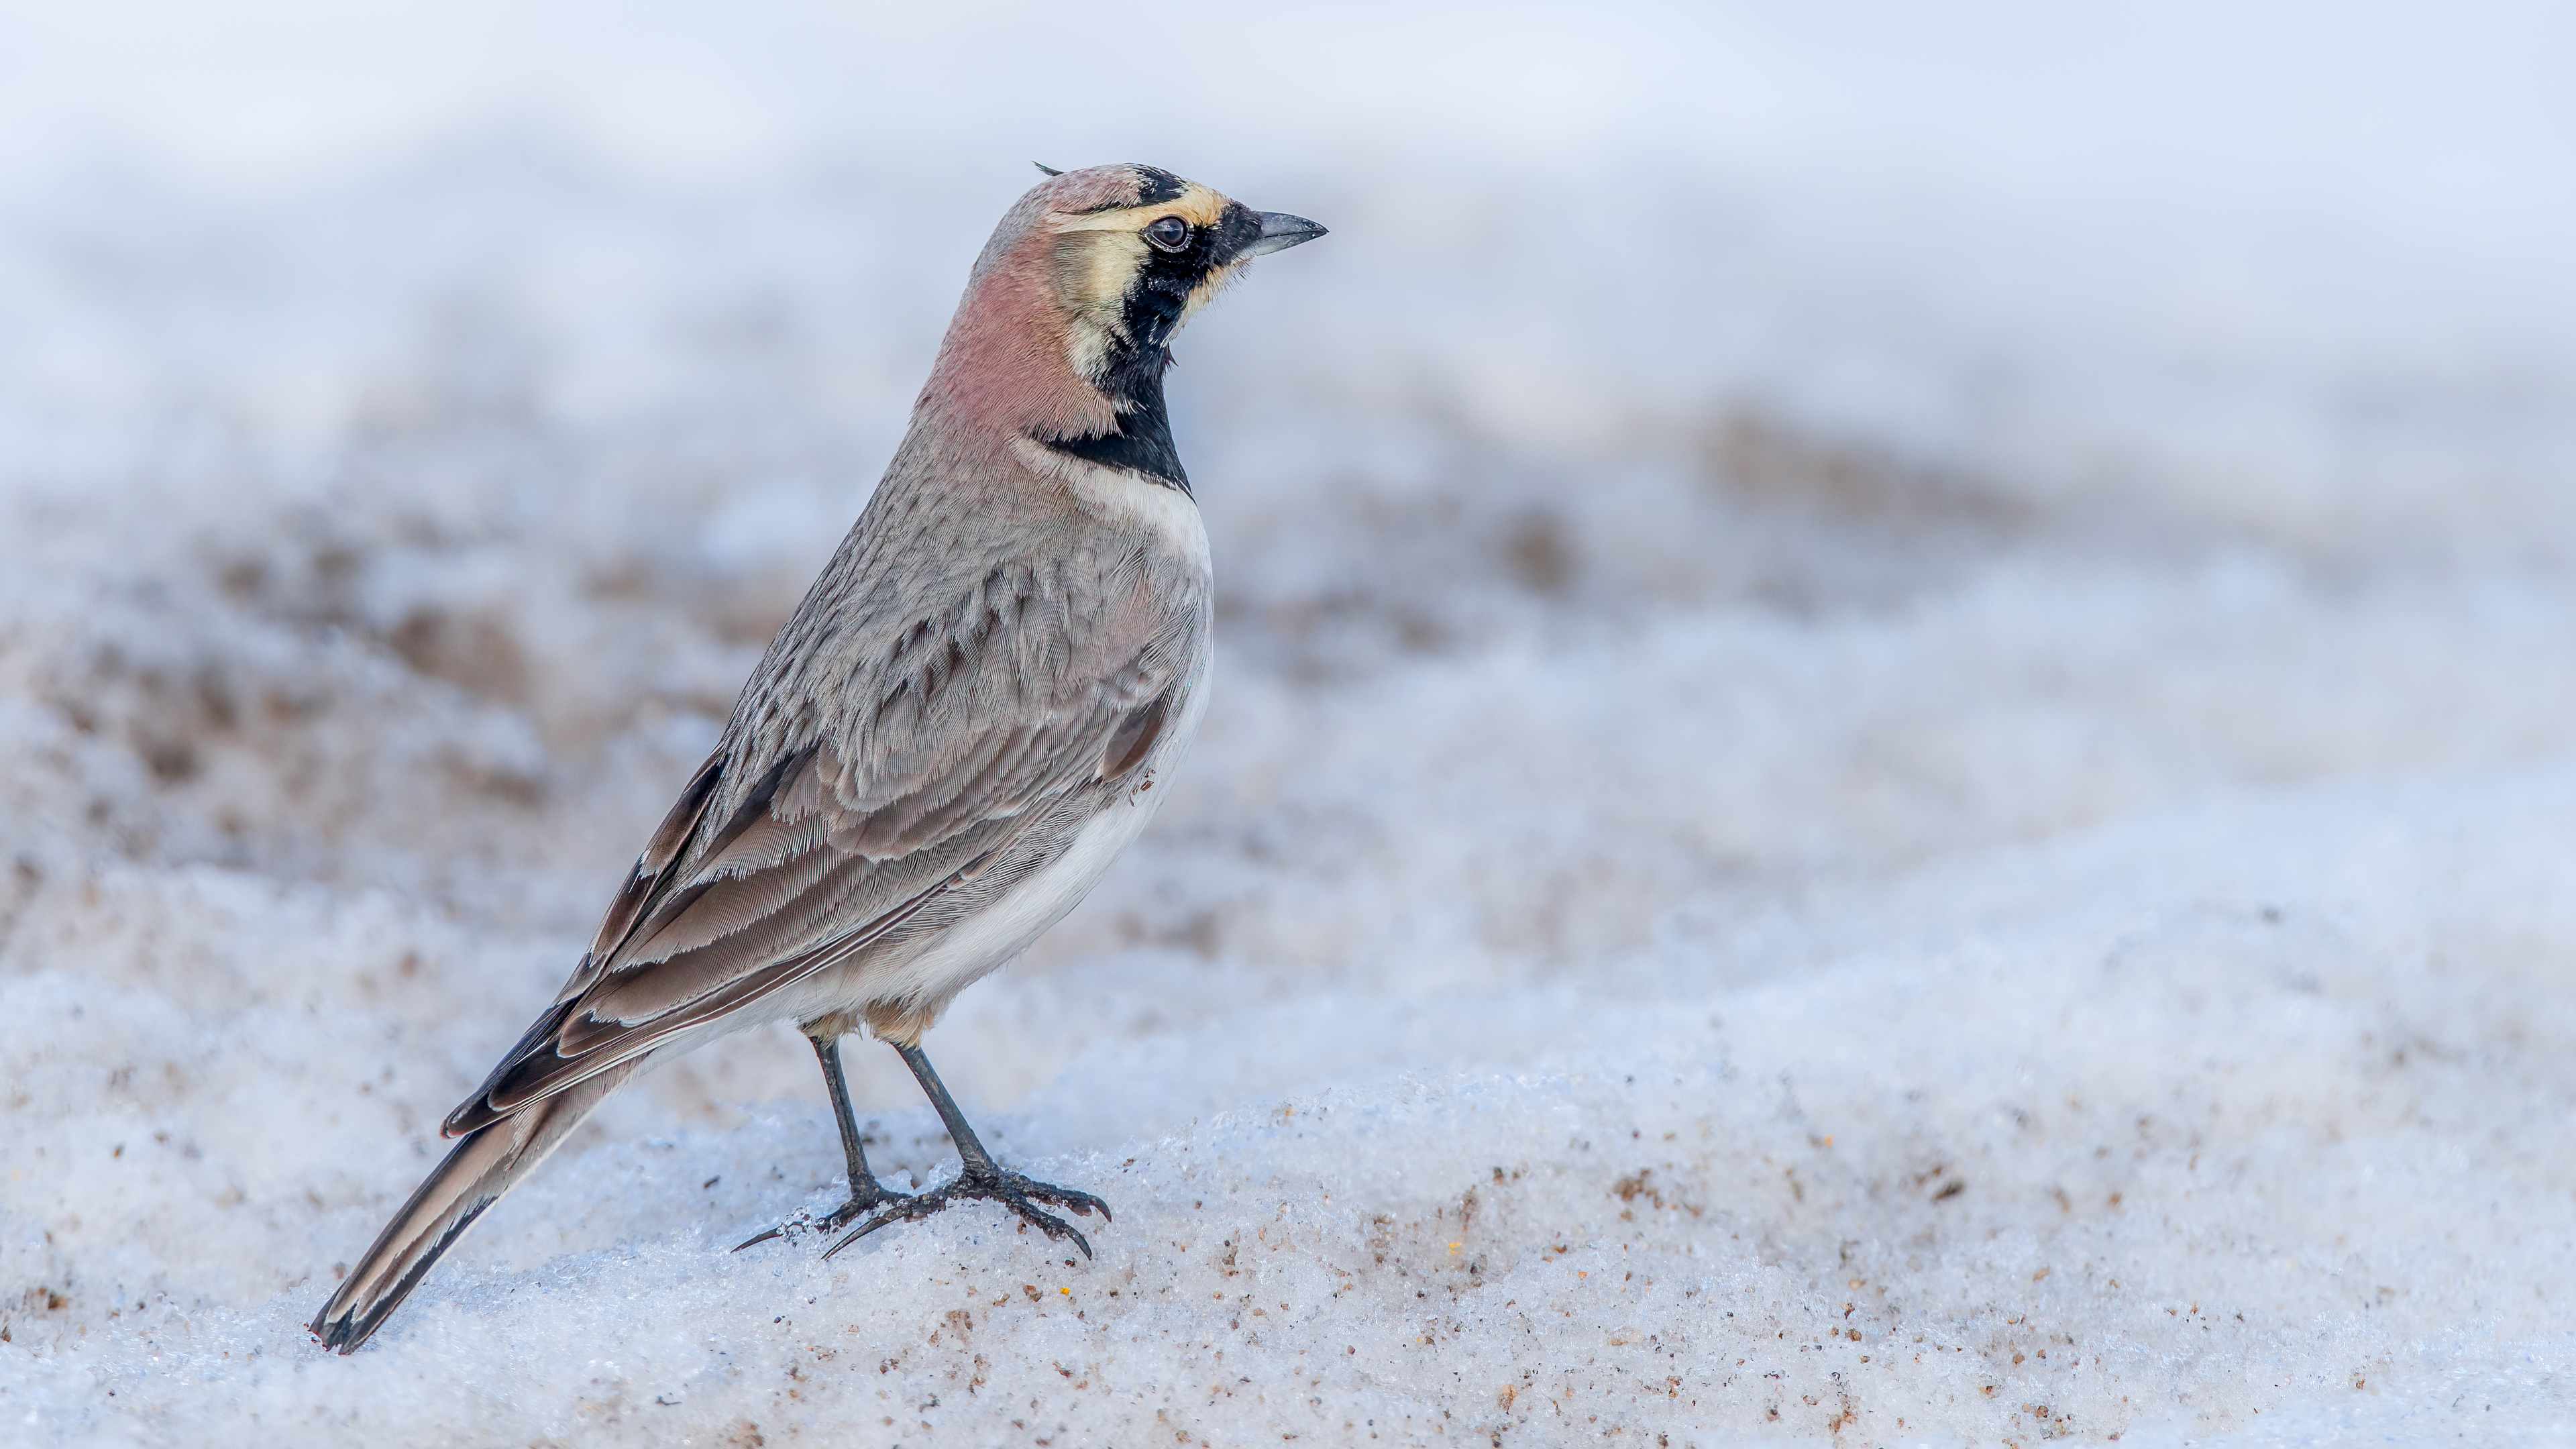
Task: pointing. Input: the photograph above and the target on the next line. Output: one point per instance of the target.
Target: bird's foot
(859, 1206)
(1021, 1195)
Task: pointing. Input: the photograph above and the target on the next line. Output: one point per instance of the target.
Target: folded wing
(798, 847)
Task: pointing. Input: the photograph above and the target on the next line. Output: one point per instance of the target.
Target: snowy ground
(1895, 760)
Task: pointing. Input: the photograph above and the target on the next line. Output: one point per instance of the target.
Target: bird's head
(1067, 322)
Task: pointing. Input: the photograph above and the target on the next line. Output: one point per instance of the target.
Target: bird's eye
(1169, 233)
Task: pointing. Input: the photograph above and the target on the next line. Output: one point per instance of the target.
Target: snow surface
(1894, 760)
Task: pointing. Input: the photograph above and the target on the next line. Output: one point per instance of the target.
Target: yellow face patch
(1099, 253)
(1094, 267)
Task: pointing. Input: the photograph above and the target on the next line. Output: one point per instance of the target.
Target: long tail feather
(485, 1164)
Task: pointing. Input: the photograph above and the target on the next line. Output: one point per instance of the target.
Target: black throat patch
(1142, 441)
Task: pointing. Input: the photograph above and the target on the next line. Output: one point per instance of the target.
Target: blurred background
(1723, 447)
(1724, 460)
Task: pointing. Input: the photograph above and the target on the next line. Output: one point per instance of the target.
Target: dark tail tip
(342, 1334)
(352, 1328)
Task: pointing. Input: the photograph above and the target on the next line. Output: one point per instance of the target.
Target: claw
(804, 1223)
(1011, 1190)
(861, 1231)
(787, 1229)
(1057, 1227)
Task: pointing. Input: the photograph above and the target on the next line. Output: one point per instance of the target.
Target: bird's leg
(865, 1195)
(979, 1176)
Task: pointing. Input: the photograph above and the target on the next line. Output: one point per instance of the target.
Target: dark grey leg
(978, 1176)
(865, 1195)
(853, 1151)
(970, 1149)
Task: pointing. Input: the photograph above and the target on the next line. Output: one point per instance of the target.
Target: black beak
(1279, 232)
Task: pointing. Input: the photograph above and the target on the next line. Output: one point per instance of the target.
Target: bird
(963, 724)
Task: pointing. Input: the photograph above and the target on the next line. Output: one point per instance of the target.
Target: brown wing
(1001, 724)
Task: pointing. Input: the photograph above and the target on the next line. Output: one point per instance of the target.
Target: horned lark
(959, 730)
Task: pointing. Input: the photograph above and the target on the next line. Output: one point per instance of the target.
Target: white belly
(990, 938)
(1015, 920)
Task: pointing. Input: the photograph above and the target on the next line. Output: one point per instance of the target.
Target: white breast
(1126, 499)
